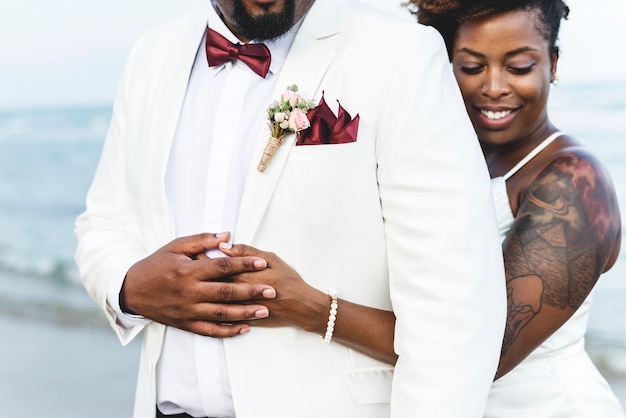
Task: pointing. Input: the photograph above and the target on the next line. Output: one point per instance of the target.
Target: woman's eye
(471, 69)
(521, 70)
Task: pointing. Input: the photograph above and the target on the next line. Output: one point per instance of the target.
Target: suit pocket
(326, 152)
(369, 380)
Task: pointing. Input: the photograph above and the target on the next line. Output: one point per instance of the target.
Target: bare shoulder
(574, 191)
(574, 166)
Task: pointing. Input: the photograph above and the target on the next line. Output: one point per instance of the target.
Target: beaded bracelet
(332, 316)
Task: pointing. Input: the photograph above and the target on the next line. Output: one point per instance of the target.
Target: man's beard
(264, 27)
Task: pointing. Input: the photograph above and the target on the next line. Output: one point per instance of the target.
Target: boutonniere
(286, 115)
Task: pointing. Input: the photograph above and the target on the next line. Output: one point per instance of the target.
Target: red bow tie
(220, 50)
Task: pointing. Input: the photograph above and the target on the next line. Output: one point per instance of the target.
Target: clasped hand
(221, 297)
(179, 286)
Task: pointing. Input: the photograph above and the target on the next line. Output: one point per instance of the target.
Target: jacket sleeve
(108, 235)
(445, 260)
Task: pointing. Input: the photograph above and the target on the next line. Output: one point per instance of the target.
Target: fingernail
(269, 293)
(262, 313)
(243, 331)
(226, 245)
(260, 263)
(221, 234)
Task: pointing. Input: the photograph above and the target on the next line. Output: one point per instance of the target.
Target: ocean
(48, 157)
(47, 160)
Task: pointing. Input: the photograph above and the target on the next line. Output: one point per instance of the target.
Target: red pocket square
(326, 128)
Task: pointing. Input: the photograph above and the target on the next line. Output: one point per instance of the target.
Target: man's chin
(263, 20)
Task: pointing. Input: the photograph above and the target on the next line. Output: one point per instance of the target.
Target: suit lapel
(309, 57)
(167, 104)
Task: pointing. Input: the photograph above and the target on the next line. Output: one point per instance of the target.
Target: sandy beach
(61, 370)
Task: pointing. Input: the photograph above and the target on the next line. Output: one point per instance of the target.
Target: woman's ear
(553, 65)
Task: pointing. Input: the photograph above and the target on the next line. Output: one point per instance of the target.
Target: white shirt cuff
(125, 321)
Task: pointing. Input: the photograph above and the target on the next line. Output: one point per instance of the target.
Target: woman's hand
(362, 328)
(296, 303)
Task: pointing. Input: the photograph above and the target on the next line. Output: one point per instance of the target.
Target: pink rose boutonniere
(285, 116)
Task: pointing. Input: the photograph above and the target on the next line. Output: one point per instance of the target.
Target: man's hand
(180, 286)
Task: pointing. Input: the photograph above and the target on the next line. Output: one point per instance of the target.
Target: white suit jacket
(401, 218)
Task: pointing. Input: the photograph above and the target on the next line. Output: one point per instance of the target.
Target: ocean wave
(54, 311)
(46, 291)
(55, 124)
(62, 272)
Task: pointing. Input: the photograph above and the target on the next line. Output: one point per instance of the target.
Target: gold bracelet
(332, 316)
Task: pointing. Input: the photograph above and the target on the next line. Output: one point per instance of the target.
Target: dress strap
(532, 154)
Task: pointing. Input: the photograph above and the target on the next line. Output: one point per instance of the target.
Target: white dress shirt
(206, 174)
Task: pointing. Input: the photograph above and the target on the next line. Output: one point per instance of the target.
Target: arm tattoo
(561, 238)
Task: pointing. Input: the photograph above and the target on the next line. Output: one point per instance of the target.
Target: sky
(71, 52)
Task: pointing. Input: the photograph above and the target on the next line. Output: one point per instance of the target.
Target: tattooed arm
(566, 233)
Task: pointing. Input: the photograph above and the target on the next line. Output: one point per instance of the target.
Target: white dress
(558, 379)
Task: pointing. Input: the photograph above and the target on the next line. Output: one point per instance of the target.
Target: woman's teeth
(496, 115)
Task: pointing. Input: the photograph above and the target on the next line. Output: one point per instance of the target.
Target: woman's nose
(495, 85)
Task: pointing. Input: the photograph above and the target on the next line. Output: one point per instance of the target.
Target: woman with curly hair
(556, 206)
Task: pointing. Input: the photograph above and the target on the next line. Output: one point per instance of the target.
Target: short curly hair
(447, 15)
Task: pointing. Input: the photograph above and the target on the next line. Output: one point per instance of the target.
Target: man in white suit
(399, 216)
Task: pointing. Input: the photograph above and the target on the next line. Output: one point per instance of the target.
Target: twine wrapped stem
(272, 145)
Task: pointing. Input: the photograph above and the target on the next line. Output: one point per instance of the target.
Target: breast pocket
(327, 152)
